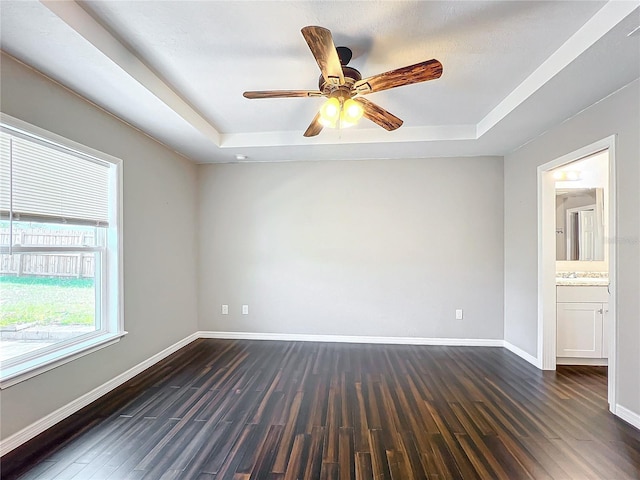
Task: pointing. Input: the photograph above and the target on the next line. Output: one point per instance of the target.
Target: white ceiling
(177, 70)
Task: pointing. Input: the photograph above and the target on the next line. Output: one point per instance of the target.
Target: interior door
(587, 234)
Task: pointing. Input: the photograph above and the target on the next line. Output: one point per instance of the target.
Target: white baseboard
(521, 353)
(628, 416)
(60, 414)
(304, 337)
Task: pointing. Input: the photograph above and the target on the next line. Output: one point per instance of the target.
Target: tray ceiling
(177, 70)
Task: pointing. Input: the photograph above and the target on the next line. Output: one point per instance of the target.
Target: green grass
(46, 301)
(48, 281)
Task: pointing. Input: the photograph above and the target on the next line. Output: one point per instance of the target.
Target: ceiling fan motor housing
(351, 76)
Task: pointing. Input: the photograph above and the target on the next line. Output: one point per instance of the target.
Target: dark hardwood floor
(244, 410)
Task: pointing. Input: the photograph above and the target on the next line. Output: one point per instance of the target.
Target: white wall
(618, 114)
(383, 248)
(159, 243)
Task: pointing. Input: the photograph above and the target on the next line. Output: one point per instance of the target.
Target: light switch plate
(225, 309)
(459, 314)
(245, 309)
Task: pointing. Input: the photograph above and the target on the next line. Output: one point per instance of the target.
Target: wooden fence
(79, 265)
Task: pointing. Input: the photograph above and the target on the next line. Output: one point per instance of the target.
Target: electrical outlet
(225, 309)
(459, 315)
(245, 309)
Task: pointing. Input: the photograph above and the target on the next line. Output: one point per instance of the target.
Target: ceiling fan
(344, 86)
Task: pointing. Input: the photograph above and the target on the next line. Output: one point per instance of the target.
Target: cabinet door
(579, 332)
(606, 333)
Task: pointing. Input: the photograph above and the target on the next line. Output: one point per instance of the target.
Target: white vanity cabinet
(582, 321)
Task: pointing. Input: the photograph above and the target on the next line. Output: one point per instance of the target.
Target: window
(60, 250)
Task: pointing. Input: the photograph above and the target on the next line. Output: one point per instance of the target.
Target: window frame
(110, 283)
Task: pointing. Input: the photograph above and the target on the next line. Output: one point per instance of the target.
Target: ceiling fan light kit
(344, 86)
(340, 113)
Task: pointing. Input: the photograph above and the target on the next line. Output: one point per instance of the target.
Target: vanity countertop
(582, 278)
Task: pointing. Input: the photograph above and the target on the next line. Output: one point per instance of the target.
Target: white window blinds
(47, 183)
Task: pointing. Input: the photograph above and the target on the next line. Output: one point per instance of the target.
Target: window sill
(28, 369)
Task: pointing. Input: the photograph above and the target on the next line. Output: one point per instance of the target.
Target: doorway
(548, 247)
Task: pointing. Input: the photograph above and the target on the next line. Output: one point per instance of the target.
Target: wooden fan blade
(420, 72)
(315, 127)
(379, 115)
(282, 94)
(321, 44)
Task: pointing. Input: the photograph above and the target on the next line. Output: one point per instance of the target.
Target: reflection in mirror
(580, 224)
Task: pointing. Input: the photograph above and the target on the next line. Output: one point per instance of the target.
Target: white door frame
(547, 260)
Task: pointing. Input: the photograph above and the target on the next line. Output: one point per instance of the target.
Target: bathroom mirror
(580, 224)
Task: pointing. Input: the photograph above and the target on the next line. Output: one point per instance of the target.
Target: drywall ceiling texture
(177, 70)
(380, 248)
(159, 243)
(200, 49)
(617, 115)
